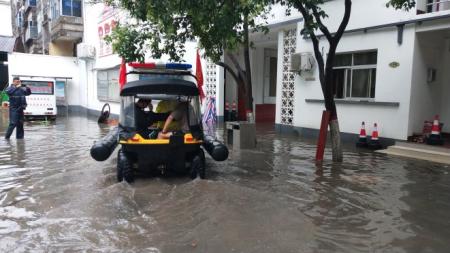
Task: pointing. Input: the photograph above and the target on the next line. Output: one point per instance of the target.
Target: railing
(438, 5)
(32, 33)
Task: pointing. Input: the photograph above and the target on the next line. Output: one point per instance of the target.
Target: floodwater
(55, 198)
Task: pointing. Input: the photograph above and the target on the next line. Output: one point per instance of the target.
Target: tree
(163, 27)
(313, 17)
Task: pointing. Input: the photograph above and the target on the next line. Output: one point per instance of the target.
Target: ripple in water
(54, 197)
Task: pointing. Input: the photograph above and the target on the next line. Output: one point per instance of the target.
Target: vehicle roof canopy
(162, 84)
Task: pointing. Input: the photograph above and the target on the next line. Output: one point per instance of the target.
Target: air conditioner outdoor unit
(302, 62)
(85, 51)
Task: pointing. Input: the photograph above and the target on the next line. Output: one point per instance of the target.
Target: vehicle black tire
(124, 168)
(198, 167)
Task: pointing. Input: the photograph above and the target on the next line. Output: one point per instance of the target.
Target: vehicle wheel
(124, 168)
(198, 166)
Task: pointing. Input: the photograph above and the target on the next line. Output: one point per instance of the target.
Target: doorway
(265, 112)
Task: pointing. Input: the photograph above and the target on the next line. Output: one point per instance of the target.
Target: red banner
(199, 75)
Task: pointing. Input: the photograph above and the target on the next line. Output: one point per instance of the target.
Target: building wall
(364, 14)
(257, 56)
(445, 94)
(392, 85)
(5, 18)
(47, 66)
(61, 48)
(106, 60)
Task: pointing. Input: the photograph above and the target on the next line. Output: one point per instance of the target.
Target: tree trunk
(335, 141)
(248, 72)
(330, 105)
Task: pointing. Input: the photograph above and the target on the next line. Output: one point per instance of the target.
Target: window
(54, 9)
(108, 85)
(354, 75)
(71, 8)
(19, 19)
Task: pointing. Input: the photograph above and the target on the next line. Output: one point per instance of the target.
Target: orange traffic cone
(435, 137)
(374, 141)
(362, 142)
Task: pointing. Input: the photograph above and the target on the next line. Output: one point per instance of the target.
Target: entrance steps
(419, 151)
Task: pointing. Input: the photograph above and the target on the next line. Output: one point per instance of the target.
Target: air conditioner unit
(85, 51)
(302, 62)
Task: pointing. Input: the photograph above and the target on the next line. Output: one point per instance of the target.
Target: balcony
(31, 33)
(29, 4)
(66, 28)
(432, 6)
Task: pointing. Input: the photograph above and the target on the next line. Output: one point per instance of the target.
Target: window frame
(113, 80)
(349, 72)
(71, 8)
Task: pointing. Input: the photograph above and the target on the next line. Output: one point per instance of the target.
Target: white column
(220, 90)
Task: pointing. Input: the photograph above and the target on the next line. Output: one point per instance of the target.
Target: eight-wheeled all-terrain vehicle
(163, 88)
(140, 149)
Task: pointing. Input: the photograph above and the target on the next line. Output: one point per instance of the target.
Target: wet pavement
(55, 198)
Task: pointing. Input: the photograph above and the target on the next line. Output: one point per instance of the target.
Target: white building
(6, 40)
(99, 67)
(391, 70)
(5, 18)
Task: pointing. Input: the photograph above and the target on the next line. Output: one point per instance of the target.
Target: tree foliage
(401, 4)
(164, 26)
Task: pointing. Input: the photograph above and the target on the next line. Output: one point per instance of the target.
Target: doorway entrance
(265, 112)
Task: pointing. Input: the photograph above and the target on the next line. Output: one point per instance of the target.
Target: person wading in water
(17, 103)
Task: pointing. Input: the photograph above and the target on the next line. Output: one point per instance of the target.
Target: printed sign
(107, 22)
(60, 92)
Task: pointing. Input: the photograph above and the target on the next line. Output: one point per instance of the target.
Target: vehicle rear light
(149, 65)
(189, 139)
(134, 138)
(152, 65)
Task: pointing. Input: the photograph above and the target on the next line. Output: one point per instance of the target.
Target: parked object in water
(435, 137)
(104, 114)
(374, 140)
(362, 141)
(42, 101)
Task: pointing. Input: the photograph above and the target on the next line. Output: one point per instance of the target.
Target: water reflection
(54, 197)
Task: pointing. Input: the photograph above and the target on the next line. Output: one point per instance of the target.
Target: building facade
(99, 66)
(390, 66)
(7, 41)
(51, 27)
(390, 70)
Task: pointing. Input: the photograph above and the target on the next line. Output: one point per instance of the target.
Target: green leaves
(401, 4)
(164, 26)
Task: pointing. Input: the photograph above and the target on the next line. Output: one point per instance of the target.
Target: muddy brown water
(55, 198)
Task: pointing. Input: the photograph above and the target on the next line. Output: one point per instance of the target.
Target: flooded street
(54, 197)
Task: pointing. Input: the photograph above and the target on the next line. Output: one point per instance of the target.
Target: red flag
(199, 75)
(122, 74)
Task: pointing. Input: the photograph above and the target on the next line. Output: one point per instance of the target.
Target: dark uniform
(17, 103)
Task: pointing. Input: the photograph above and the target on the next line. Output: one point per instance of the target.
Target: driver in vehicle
(143, 116)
